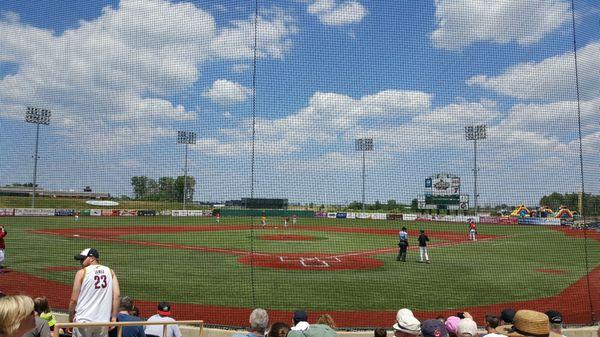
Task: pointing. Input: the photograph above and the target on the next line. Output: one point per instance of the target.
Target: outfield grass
(466, 274)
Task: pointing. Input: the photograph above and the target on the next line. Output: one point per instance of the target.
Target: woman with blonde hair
(327, 320)
(16, 315)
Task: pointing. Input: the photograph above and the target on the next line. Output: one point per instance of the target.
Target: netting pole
(585, 242)
(252, 284)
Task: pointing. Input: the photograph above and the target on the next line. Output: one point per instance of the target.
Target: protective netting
(229, 155)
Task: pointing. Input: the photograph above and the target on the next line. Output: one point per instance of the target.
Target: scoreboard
(442, 191)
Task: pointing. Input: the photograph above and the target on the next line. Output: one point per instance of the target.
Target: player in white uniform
(95, 296)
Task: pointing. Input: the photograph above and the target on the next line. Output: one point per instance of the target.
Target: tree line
(163, 189)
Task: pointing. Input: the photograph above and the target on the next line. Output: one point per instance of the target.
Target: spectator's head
(527, 323)
(135, 311)
(422, 231)
(407, 324)
(555, 319)
(16, 315)
(466, 328)
(327, 320)
(403, 228)
(279, 329)
(164, 309)
(259, 320)
(299, 316)
(126, 304)
(379, 332)
(491, 321)
(433, 328)
(40, 305)
(507, 316)
(88, 256)
(451, 324)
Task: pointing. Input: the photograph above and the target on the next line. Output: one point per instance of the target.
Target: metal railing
(119, 326)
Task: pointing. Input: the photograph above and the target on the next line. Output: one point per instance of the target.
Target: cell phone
(460, 315)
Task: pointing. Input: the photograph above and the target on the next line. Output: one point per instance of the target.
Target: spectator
(507, 316)
(163, 315)
(528, 323)
(42, 309)
(433, 328)
(124, 315)
(423, 239)
(135, 311)
(279, 329)
(491, 323)
(16, 315)
(41, 329)
(95, 296)
(407, 325)
(556, 321)
(451, 325)
(327, 320)
(379, 332)
(300, 321)
(259, 321)
(467, 328)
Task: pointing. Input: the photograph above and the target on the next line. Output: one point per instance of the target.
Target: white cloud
(463, 22)
(552, 79)
(117, 69)
(337, 14)
(240, 68)
(227, 92)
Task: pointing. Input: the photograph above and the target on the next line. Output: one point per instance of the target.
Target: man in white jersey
(95, 296)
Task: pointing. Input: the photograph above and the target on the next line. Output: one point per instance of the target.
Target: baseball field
(348, 268)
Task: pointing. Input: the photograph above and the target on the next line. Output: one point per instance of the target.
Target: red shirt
(2, 235)
(472, 225)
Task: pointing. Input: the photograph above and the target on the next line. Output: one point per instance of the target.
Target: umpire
(403, 244)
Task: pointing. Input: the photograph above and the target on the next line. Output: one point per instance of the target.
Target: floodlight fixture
(187, 138)
(37, 116)
(475, 133)
(363, 145)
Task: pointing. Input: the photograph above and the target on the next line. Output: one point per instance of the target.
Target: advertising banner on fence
(540, 221)
(497, 220)
(7, 212)
(179, 212)
(110, 212)
(341, 215)
(409, 217)
(128, 212)
(64, 212)
(95, 212)
(195, 212)
(394, 216)
(34, 211)
(320, 214)
(146, 212)
(378, 216)
(350, 215)
(331, 215)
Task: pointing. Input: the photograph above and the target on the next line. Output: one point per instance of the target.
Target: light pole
(36, 116)
(187, 138)
(475, 133)
(364, 145)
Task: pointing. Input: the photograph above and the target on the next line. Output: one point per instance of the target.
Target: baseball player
(2, 246)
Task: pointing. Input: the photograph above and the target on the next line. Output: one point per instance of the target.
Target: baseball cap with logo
(407, 322)
(433, 328)
(87, 253)
(554, 316)
(164, 309)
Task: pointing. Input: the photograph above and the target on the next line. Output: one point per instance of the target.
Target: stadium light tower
(364, 145)
(475, 133)
(187, 138)
(36, 116)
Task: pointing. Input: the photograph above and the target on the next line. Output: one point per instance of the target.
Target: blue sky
(121, 77)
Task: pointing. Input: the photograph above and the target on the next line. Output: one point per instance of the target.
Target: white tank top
(95, 298)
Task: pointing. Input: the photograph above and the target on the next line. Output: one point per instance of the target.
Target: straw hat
(528, 323)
